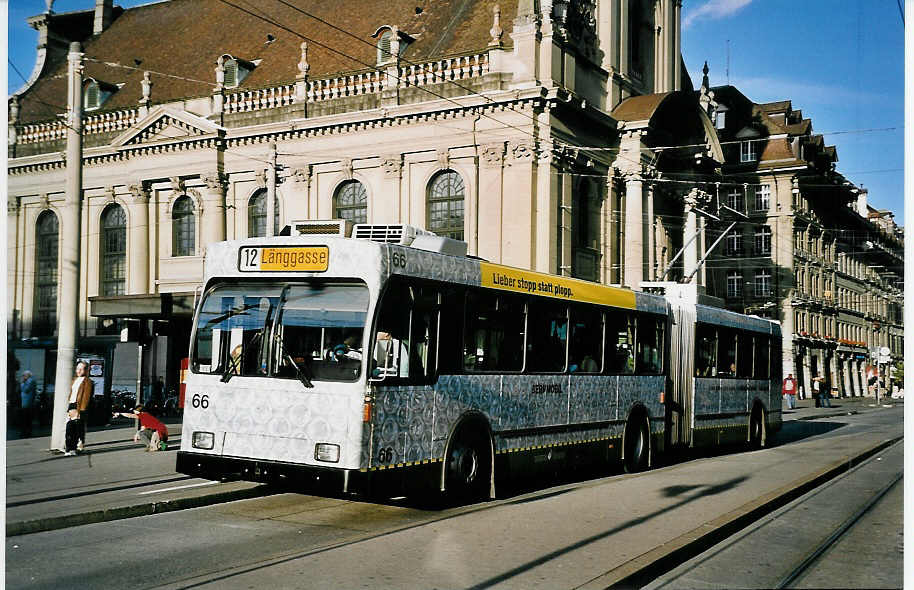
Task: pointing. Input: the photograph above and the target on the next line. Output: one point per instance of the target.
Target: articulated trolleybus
(391, 360)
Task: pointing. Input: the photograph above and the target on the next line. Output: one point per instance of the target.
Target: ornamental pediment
(167, 125)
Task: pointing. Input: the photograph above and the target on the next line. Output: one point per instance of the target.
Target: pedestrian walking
(80, 394)
(152, 431)
(819, 392)
(789, 390)
(28, 393)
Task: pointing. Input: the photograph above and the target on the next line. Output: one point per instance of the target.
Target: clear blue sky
(840, 61)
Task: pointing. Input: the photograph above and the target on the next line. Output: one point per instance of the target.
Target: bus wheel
(637, 445)
(468, 467)
(755, 428)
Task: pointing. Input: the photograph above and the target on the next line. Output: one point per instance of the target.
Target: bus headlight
(327, 452)
(204, 440)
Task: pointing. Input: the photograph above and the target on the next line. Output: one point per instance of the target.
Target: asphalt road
(565, 536)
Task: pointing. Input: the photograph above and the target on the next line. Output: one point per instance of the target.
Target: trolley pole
(271, 192)
(71, 218)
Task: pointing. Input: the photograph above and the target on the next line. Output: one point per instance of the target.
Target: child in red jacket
(153, 432)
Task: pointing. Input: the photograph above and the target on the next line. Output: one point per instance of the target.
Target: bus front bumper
(273, 472)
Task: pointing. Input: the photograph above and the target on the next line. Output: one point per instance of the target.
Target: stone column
(491, 203)
(138, 234)
(547, 230)
(212, 218)
(651, 241)
(807, 373)
(633, 232)
(12, 275)
(689, 237)
(519, 174)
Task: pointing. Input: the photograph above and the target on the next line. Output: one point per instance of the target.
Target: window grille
(351, 202)
(114, 251)
(444, 206)
(183, 227)
(257, 215)
(46, 243)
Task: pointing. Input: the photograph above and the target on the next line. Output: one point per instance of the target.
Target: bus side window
(650, 346)
(761, 369)
(726, 353)
(620, 328)
(424, 333)
(586, 352)
(493, 332)
(450, 349)
(390, 347)
(547, 336)
(744, 355)
(705, 351)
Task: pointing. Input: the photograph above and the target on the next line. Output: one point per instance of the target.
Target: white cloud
(714, 9)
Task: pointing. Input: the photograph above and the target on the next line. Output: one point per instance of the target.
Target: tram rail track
(816, 554)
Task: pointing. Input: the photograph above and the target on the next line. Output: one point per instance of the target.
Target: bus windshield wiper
(305, 378)
(233, 364)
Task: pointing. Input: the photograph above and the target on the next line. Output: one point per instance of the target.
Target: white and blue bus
(390, 358)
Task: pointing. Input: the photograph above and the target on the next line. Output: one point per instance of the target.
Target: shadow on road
(699, 491)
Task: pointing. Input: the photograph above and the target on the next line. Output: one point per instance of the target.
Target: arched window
(444, 210)
(45, 309)
(182, 227)
(114, 251)
(257, 215)
(351, 202)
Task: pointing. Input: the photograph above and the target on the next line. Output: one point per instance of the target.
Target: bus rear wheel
(468, 467)
(637, 445)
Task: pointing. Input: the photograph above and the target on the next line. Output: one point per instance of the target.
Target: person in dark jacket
(28, 395)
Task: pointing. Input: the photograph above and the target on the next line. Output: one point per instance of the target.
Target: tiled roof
(638, 108)
(183, 39)
(780, 106)
(804, 127)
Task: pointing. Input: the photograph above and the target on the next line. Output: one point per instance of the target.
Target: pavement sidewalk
(114, 478)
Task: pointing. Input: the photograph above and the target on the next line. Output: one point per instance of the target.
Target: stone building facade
(528, 128)
(805, 249)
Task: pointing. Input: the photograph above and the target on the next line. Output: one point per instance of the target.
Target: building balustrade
(371, 82)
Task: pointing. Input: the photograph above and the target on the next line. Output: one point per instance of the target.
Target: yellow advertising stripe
(535, 283)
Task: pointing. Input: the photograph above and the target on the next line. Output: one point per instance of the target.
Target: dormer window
(236, 70)
(747, 151)
(720, 117)
(390, 41)
(95, 93)
(384, 55)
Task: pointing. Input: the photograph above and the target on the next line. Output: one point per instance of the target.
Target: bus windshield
(282, 330)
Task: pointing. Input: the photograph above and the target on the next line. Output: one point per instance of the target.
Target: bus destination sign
(283, 258)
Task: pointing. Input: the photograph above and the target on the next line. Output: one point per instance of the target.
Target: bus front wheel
(468, 467)
(637, 445)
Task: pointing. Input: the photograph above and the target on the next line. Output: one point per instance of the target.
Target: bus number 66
(200, 401)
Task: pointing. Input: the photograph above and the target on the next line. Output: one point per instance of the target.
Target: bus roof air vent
(397, 233)
(322, 227)
(441, 245)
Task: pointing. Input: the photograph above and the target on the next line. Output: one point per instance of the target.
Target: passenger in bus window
(350, 348)
(390, 356)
